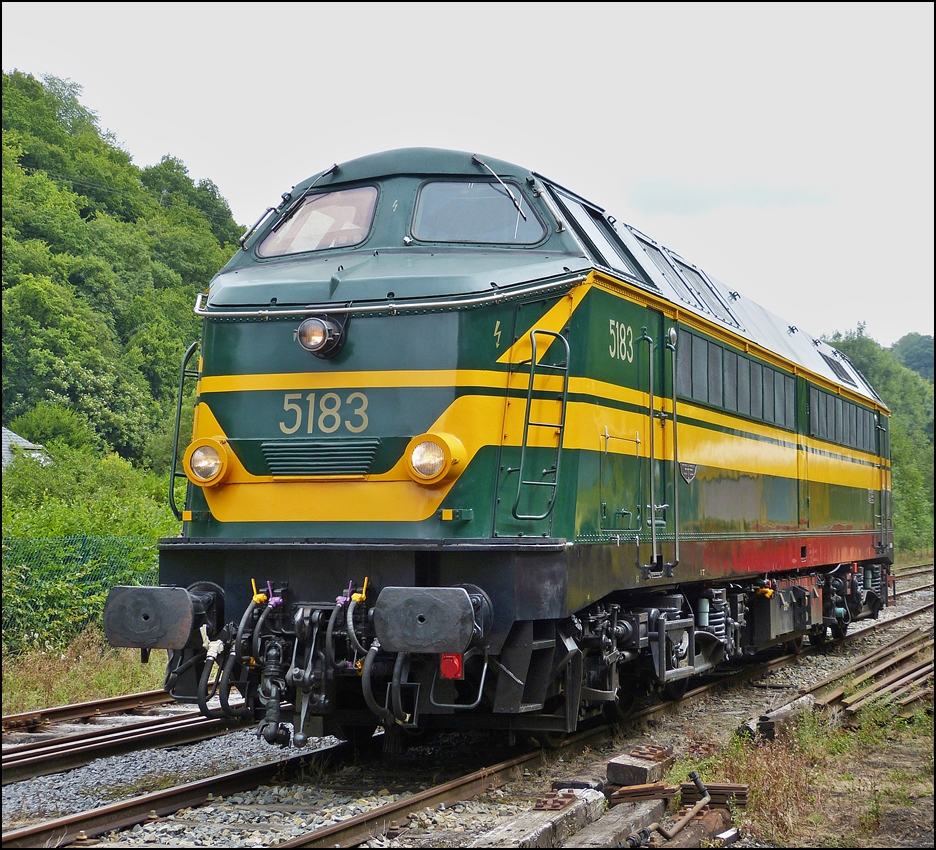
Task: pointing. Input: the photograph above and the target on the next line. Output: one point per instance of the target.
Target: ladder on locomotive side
(549, 477)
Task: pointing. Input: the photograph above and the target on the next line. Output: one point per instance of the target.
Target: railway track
(378, 818)
(916, 577)
(899, 674)
(31, 721)
(52, 740)
(66, 752)
(910, 568)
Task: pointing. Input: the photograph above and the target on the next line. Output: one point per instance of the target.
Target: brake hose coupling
(344, 600)
(258, 598)
(275, 601)
(362, 596)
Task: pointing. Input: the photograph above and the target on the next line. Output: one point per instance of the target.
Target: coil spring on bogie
(718, 614)
(717, 622)
(876, 584)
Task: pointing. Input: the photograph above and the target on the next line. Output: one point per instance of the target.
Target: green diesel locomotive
(469, 453)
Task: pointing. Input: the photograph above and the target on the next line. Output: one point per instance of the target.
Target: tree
(49, 423)
(910, 399)
(101, 263)
(915, 351)
(169, 183)
(62, 139)
(57, 349)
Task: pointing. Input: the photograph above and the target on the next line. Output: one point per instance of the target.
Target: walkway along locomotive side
(469, 453)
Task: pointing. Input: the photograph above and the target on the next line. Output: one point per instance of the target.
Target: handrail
(174, 473)
(391, 307)
(671, 345)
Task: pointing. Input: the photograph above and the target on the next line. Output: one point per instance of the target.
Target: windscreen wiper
(483, 164)
(294, 207)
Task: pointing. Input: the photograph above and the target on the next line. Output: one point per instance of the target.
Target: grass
(86, 670)
(781, 777)
(789, 778)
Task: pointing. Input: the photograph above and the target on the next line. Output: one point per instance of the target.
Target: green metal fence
(55, 587)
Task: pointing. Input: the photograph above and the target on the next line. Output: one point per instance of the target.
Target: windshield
(477, 211)
(326, 220)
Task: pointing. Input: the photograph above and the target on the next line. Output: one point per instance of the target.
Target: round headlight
(205, 462)
(321, 335)
(313, 334)
(432, 458)
(427, 458)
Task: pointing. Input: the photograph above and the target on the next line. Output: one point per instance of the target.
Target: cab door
(660, 549)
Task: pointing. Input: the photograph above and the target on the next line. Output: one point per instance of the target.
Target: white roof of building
(10, 440)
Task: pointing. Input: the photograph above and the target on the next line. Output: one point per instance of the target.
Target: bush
(73, 528)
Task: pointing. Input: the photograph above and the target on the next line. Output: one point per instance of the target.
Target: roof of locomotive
(417, 161)
(738, 315)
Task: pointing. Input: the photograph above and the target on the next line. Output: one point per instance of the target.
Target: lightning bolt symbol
(497, 333)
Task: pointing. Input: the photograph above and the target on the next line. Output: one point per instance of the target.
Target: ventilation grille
(320, 457)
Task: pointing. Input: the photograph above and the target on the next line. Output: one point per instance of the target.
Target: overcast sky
(786, 149)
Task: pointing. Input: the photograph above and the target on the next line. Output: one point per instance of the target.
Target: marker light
(207, 461)
(431, 458)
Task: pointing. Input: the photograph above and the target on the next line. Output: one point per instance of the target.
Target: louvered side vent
(320, 457)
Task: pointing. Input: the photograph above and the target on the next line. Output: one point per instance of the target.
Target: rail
(85, 710)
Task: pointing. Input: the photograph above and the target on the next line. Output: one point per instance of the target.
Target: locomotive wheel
(552, 740)
(838, 630)
(675, 690)
(619, 710)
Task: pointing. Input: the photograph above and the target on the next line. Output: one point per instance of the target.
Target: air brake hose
(203, 696)
(397, 698)
(237, 653)
(255, 644)
(383, 713)
(238, 648)
(224, 690)
(173, 676)
(352, 636)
